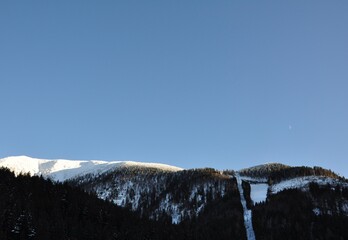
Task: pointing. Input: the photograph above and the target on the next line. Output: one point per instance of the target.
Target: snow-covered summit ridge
(61, 169)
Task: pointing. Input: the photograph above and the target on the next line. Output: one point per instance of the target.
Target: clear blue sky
(223, 84)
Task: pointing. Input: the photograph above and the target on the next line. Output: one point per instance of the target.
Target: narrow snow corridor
(247, 213)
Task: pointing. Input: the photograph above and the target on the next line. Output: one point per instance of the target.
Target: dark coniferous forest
(290, 215)
(36, 208)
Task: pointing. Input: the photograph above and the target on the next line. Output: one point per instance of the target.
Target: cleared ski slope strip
(61, 170)
(248, 223)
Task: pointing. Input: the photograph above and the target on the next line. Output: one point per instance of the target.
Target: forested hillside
(288, 173)
(262, 171)
(159, 194)
(320, 213)
(35, 208)
(196, 204)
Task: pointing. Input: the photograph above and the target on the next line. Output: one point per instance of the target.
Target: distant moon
(290, 127)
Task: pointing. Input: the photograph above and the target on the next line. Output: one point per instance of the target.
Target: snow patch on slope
(258, 188)
(303, 183)
(258, 192)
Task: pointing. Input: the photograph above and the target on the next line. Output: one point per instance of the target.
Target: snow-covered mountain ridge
(61, 169)
(170, 194)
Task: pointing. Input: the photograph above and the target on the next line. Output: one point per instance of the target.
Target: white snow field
(258, 192)
(61, 170)
(248, 223)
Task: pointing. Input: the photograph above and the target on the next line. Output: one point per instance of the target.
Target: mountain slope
(37, 209)
(283, 202)
(61, 170)
(317, 213)
(156, 193)
(298, 202)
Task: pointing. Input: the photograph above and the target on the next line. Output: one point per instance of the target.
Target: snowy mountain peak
(61, 169)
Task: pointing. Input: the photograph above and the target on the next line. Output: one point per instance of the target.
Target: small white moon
(290, 127)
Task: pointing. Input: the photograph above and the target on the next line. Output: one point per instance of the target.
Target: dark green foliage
(262, 171)
(282, 217)
(221, 219)
(229, 172)
(289, 215)
(34, 208)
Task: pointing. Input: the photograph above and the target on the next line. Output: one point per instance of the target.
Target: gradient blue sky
(223, 84)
